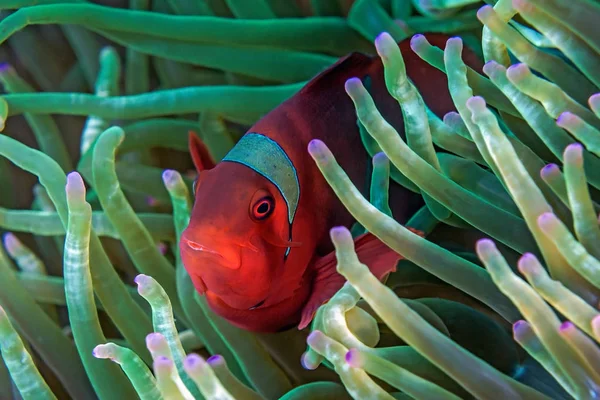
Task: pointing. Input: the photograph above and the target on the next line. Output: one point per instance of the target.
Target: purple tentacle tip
(307, 364)
(417, 40)
(566, 326)
(562, 117)
(381, 37)
(352, 358)
(491, 66)
(518, 67)
(303, 361)
(162, 248)
(476, 102)
(454, 41)
(526, 264)
(528, 257)
(574, 150)
(10, 241)
(380, 158)
(168, 174)
(517, 72)
(192, 360)
(519, 325)
(573, 155)
(317, 149)
(314, 337)
(485, 245)
(142, 281)
(153, 339)
(451, 117)
(313, 145)
(352, 84)
(75, 185)
(215, 359)
(349, 356)
(338, 230)
(549, 169)
(340, 233)
(162, 361)
(4, 67)
(151, 201)
(485, 11)
(545, 220)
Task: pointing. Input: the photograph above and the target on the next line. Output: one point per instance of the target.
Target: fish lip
(224, 301)
(198, 247)
(260, 303)
(222, 297)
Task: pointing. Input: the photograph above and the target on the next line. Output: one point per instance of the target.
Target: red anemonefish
(258, 244)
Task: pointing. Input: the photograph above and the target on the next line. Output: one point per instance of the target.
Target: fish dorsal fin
(199, 152)
(335, 76)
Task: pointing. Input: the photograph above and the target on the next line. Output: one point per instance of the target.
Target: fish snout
(214, 263)
(224, 255)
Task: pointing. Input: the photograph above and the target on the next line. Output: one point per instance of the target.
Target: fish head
(238, 235)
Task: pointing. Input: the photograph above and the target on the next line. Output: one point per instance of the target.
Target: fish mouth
(205, 250)
(199, 247)
(254, 307)
(260, 303)
(227, 301)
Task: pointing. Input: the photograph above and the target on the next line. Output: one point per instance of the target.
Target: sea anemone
(510, 182)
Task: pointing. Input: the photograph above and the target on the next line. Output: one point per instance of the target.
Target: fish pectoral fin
(376, 255)
(371, 251)
(326, 283)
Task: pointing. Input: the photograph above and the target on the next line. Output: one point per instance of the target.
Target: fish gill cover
(94, 299)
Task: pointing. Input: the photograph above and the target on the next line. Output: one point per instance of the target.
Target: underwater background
(499, 300)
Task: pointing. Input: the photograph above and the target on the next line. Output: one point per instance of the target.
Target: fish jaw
(270, 319)
(231, 273)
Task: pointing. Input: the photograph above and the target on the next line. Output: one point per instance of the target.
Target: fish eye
(263, 208)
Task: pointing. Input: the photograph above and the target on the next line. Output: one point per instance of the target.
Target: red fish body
(258, 244)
